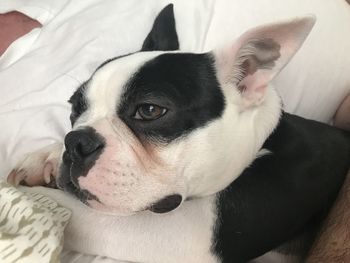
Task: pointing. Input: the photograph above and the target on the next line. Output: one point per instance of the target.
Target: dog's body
(301, 177)
(154, 128)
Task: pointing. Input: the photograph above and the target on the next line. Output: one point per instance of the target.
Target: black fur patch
(284, 194)
(185, 84)
(78, 102)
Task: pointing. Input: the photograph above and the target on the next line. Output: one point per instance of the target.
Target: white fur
(213, 156)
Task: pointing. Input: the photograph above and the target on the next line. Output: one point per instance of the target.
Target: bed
(40, 70)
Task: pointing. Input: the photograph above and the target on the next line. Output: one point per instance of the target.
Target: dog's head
(156, 127)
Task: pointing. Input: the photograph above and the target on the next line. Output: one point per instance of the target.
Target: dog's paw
(37, 168)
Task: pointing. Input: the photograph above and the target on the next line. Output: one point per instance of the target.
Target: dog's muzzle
(83, 148)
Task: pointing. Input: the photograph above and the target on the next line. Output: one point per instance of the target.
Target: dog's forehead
(104, 89)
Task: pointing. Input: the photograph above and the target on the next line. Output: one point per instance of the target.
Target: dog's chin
(162, 206)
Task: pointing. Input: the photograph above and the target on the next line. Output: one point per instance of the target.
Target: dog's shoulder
(282, 191)
(297, 135)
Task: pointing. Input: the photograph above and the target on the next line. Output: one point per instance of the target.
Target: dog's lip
(69, 165)
(83, 195)
(68, 185)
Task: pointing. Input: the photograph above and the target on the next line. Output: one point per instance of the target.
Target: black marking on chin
(166, 204)
(185, 84)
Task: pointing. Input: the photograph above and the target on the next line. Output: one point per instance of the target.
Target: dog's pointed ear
(258, 56)
(163, 36)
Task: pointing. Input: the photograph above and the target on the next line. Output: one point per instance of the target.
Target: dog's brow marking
(187, 82)
(112, 59)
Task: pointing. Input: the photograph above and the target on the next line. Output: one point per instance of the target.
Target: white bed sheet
(40, 71)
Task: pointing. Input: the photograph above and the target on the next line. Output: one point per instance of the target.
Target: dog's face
(156, 127)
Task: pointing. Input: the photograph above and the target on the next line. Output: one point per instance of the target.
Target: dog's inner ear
(257, 57)
(163, 36)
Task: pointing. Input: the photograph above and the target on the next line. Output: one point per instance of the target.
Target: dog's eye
(149, 112)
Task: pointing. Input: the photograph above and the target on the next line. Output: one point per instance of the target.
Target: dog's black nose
(84, 146)
(166, 204)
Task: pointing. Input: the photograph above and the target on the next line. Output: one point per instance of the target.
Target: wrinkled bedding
(40, 71)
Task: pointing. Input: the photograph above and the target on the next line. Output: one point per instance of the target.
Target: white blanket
(40, 71)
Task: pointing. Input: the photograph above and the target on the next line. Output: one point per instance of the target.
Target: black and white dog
(156, 128)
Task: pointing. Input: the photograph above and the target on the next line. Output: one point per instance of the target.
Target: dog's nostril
(85, 147)
(166, 204)
(83, 143)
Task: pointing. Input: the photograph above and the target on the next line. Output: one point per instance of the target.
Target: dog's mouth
(83, 195)
(66, 182)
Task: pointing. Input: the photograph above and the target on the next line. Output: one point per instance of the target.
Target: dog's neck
(239, 144)
(256, 124)
(266, 118)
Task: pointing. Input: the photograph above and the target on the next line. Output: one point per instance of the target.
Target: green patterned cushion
(31, 226)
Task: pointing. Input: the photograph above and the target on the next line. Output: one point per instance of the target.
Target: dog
(154, 129)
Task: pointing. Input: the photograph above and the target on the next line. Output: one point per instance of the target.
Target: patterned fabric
(31, 227)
